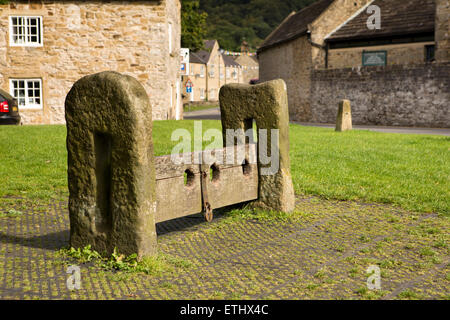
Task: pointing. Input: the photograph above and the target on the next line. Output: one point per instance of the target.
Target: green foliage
(232, 21)
(130, 264)
(4, 1)
(193, 25)
(11, 214)
(84, 255)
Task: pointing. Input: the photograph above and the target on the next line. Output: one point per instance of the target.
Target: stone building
(209, 70)
(406, 36)
(250, 65)
(45, 46)
(397, 74)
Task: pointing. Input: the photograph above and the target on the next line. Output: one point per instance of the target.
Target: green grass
(411, 171)
(199, 107)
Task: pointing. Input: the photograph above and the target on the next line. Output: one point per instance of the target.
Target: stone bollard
(111, 172)
(267, 104)
(344, 118)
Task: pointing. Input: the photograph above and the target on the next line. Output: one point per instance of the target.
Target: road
(214, 114)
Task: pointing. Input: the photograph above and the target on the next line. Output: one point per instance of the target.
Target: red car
(9, 110)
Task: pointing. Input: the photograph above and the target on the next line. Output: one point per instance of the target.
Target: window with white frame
(228, 73)
(211, 71)
(25, 31)
(235, 74)
(202, 94)
(211, 94)
(202, 71)
(28, 92)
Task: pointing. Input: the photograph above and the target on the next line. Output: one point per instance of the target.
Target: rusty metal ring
(208, 212)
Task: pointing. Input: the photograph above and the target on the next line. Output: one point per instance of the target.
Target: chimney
(442, 27)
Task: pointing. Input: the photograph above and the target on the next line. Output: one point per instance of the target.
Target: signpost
(189, 86)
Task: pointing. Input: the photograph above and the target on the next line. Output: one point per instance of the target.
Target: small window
(211, 71)
(429, 53)
(25, 31)
(28, 92)
(202, 94)
(202, 71)
(211, 94)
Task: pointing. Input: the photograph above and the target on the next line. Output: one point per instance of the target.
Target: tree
(230, 21)
(193, 25)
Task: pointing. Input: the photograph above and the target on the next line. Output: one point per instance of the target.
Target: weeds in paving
(11, 214)
(156, 265)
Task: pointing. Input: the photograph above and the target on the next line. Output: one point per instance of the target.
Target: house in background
(396, 75)
(45, 46)
(295, 48)
(209, 70)
(406, 37)
(249, 63)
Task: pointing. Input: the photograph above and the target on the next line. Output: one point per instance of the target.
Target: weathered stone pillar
(267, 104)
(111, 170)
(344, 117)
(442, 31)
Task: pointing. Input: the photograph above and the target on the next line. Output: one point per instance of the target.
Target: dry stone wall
(410, 95)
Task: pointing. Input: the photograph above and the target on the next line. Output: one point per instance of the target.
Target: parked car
(254, 81)
(9, 110)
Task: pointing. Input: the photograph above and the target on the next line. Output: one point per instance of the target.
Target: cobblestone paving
(322, 251)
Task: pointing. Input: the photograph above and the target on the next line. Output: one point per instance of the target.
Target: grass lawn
(199, 107)
(412, 171)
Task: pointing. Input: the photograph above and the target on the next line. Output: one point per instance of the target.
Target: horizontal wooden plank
(226, 184)
(167, 168)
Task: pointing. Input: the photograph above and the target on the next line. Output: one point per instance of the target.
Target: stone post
(344, 117)
(267, 104)
(111, 171)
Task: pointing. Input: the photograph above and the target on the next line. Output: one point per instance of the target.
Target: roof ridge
(357, 13)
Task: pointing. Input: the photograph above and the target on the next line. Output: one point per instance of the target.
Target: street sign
(184, 60)
(189, 86)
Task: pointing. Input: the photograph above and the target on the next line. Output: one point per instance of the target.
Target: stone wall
(414, 95)
(291, 62)
(250, 68)
(85, 37)
(406, 53)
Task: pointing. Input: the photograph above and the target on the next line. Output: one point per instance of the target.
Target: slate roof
(198, 57)
(398, 18)
(295, 25)
(229, 61)
(209, 44)
(202, 56)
